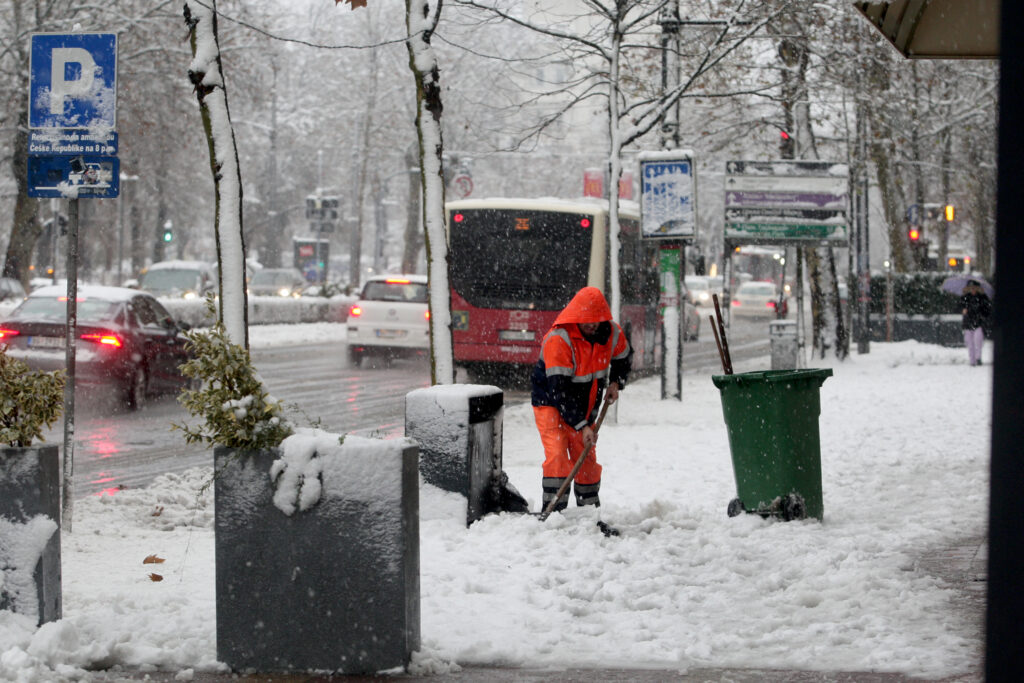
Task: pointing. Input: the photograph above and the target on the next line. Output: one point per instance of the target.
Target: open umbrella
(956, 284)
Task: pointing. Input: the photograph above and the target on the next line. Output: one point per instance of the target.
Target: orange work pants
(563, 446)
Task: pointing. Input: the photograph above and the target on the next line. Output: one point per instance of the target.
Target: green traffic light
(168, 236)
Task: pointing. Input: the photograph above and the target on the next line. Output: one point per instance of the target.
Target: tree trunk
(614, 170)
(423, 64)
(207, 76)
(26, 228)
(842, 331)
(818, 343)
(413, 213)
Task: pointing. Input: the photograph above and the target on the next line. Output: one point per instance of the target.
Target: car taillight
(771, 305)
(426, 314)
(735, 302)
(7, 334)
(355, 311)
(107, 339)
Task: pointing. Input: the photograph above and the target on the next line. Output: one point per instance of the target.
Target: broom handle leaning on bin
(726, 358)
(718, 343)
(575, 468)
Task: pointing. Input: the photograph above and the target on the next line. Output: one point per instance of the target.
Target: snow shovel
(576, 468)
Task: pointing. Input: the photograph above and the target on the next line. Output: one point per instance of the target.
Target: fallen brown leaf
(158, 511)
(155, 577)
(153, 559)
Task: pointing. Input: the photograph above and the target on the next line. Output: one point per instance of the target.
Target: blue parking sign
(73, 80)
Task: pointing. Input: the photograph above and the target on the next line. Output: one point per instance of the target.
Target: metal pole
(120, 233)
(69, 358)
(863, 265)
(54, 236)
(670, 24)
(888, 301)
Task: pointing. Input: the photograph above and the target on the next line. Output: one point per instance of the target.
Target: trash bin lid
(818, 375)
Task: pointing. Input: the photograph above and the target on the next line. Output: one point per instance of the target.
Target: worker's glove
(589, 438)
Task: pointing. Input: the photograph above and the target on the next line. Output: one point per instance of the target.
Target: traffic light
(950, 212)
(168, 234)
(914, 233)
(786, 148)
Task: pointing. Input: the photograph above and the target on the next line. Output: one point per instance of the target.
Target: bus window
(507, 258)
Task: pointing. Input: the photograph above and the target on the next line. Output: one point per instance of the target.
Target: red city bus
(515, 263)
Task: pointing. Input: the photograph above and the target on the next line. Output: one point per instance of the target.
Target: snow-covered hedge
(266, 310)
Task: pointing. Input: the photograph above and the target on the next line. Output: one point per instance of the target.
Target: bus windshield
(519, 258)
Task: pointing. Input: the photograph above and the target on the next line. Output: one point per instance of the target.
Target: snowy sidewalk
(886, 587)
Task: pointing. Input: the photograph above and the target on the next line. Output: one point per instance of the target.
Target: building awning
(937, 29)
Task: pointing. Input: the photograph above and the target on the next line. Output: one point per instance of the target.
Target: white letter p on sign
(61, 86)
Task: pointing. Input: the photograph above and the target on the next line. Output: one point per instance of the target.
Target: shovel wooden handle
(575, 468)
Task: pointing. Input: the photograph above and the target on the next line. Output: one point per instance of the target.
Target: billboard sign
(786, 201)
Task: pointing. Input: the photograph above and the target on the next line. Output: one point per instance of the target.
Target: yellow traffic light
(952, 262)
(949, 212)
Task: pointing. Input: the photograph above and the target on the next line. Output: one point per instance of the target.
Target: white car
(758, 300)
(391, 319)
(698, 290)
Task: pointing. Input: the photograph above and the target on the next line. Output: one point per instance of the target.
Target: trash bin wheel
(735, 507)
(794, 507)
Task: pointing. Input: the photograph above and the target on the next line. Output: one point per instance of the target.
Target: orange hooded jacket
(573, 370)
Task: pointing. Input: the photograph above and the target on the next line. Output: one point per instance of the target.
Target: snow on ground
(904, 447)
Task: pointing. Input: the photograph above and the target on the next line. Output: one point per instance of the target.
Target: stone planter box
(334, 584)
(30, 532)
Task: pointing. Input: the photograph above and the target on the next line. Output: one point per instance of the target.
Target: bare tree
(602, 41)
(207, 76)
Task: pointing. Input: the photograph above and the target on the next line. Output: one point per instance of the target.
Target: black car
(126, 339)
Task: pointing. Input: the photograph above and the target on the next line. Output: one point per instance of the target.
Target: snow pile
(904, 473)
(21, 547)
(315, 463)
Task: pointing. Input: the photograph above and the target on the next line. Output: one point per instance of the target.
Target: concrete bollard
(458, 428)
(30, 579)
(332, 585)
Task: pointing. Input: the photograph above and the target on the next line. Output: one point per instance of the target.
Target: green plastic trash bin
(772, 421)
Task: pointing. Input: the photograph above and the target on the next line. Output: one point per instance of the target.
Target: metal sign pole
(71, 335)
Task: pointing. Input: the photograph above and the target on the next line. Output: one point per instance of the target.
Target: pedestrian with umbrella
(976, 307)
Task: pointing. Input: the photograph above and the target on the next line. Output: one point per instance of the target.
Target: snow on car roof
(87, 291)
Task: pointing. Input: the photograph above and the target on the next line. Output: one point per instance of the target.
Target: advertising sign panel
(668, 197)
